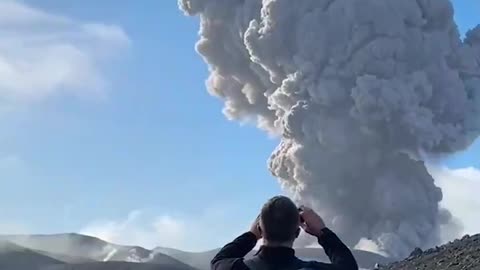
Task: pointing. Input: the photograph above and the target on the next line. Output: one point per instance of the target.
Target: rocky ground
(462, 254)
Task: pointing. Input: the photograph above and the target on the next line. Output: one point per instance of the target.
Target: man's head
(280, 220)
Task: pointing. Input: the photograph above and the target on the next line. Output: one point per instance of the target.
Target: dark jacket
(230, 257)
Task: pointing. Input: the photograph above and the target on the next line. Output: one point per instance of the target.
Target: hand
(255, 228)
(312, 222)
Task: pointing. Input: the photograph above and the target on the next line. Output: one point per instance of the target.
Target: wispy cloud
(42, 54)
(138, 229)
(185, 232)
(460, 194)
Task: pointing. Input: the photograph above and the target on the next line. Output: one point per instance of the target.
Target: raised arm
(338, 253)
(230, 257)
(340, 256)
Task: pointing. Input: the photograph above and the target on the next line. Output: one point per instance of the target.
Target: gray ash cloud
(360, 92)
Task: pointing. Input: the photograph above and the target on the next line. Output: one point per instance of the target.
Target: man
(279, 225)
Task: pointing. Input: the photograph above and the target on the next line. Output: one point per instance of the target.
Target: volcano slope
(457, 255)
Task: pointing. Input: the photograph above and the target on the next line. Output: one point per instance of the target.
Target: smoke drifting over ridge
(361, 92)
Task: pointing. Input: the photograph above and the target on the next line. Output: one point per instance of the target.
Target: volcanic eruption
(361, 94)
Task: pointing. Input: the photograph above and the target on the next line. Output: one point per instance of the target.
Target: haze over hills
(78, 252)
(75, 251)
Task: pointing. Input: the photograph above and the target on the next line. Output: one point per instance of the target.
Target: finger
(303, 226)
(305, 208)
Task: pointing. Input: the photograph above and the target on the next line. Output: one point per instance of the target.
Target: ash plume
(361, 93)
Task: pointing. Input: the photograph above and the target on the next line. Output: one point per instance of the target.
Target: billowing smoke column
(361, 92)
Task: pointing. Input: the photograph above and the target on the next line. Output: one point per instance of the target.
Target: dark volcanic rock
(461, 254)
(416, 252)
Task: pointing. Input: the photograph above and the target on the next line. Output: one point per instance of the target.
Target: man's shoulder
(256, 263)
(229, 264)
(314, 265)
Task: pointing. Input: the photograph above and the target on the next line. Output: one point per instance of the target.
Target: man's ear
(297, 233)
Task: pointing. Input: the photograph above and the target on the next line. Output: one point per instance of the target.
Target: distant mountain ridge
(74, 251)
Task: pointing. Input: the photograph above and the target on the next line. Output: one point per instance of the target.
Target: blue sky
(151, 153)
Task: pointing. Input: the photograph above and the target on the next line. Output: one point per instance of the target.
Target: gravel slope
(463, 254)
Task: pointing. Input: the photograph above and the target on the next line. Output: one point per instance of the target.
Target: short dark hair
(280, 220)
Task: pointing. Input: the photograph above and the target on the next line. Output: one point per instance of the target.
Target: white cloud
(137, 229)
(460, 195)
(172, 230)
(369, 245)
(185, 232)
(42, 54)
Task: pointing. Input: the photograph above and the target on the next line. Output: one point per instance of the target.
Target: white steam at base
(361, 92)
